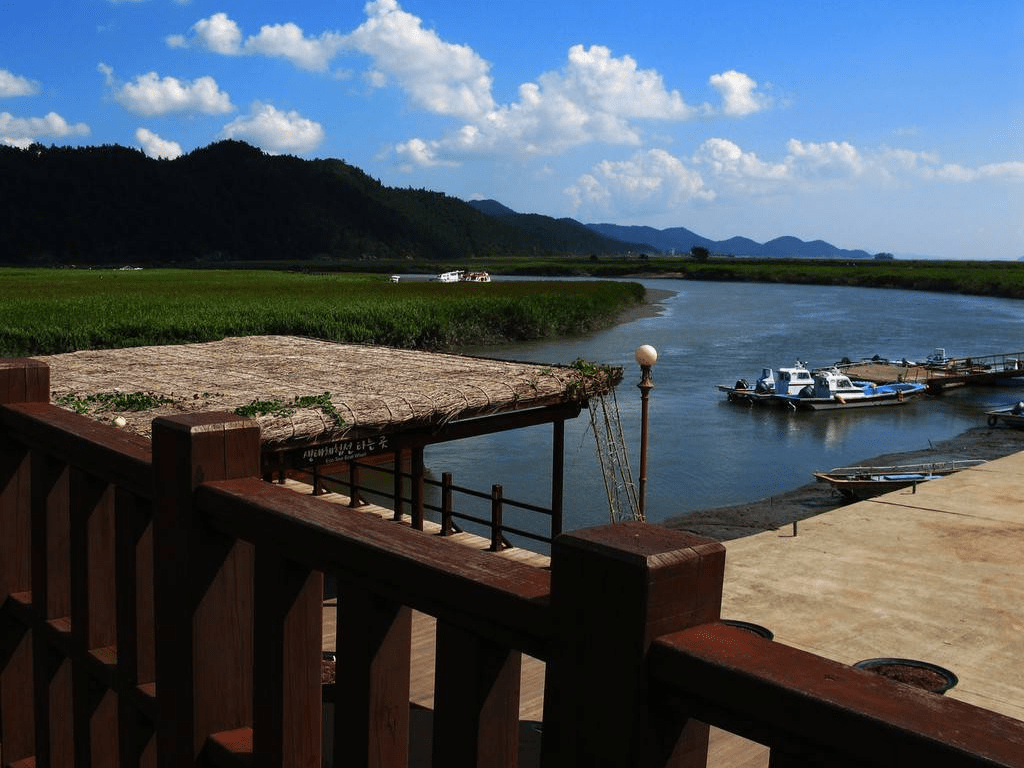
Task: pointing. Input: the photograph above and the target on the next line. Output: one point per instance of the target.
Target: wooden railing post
(203, 586)
(371, 711)
(613, 590)
(22, 380)
(287, 648)
(354, 474)
(496, 518)
(417, 487)
(447, 507)
(476, 701)
(396, 494)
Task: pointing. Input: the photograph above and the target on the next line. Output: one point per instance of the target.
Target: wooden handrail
(160, 605)
(504, 600)
(822, 712)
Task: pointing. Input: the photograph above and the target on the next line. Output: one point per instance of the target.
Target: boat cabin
(828, 384)
(792, 380)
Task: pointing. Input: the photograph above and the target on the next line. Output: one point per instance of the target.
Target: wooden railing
(161, 605)
(446, 513)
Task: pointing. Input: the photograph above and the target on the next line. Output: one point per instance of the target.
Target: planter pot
(756, 629)
(920, 674)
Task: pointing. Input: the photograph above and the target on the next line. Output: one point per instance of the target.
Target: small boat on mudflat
(790, 381)
(865, 482)
(834, 390)
(1011, 416)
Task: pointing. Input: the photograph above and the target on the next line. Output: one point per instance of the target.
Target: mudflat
(739, 520)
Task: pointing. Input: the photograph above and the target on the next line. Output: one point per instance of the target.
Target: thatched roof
(372, 390)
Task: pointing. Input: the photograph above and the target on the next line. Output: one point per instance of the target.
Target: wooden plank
(98, 449)
(798, 702)
(286, 655)
(371, 708)
(17, 710)
(15, 521)
(23, 380)
(508, 600)
(614, 590)
(203, 587)
(476, 701)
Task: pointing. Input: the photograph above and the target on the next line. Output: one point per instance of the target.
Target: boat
(834, 390)
(1011, 416)
(790, 381)
(865, 482)
(462, 276)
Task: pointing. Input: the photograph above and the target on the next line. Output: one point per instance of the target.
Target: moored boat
(865, 482)
(834, 390)
(790, 381)
(462, 276)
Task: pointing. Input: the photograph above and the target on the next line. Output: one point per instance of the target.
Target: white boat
(790, 382)
(462, 276)
(865, 482)
(834, 390)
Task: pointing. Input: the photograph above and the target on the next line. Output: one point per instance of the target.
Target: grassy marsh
(50, 311)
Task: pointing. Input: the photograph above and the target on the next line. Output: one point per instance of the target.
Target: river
(705, 452)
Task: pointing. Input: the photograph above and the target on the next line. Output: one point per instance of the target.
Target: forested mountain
(562, 235)
(682, 240)
(230, 201)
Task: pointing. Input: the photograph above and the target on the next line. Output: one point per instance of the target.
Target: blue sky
(889, 126)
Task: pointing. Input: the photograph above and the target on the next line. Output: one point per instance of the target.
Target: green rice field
(47, 311)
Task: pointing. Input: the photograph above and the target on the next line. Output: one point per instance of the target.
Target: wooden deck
(725, 749)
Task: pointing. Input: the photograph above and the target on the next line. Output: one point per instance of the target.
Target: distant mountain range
(230, 201)
(680, 240)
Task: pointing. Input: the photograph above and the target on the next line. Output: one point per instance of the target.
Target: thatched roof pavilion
(372, 390)
(322, 404)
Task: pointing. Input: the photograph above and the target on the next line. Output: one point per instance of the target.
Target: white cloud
(287, 41)
(13, 85)
(151, 95)
(833, 158)
(154, 146)
(217, 33)
(739, 93)
(275, 131)
(649, 180)
(221, 34)
(443, 78)
(22, 131)
(595, 97)
(725, 159)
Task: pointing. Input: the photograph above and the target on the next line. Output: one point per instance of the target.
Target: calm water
(705, 452)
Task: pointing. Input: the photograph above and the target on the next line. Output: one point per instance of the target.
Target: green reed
(50, 311)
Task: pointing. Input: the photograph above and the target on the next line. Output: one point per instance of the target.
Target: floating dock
(937, 377)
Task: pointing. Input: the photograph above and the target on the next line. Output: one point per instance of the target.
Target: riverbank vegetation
(46, 311)
(978, 278)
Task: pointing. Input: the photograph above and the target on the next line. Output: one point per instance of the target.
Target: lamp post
(646, 356)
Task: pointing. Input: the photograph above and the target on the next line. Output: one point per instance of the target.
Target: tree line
(230, 201)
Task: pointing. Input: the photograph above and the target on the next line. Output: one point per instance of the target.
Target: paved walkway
(936, 575)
